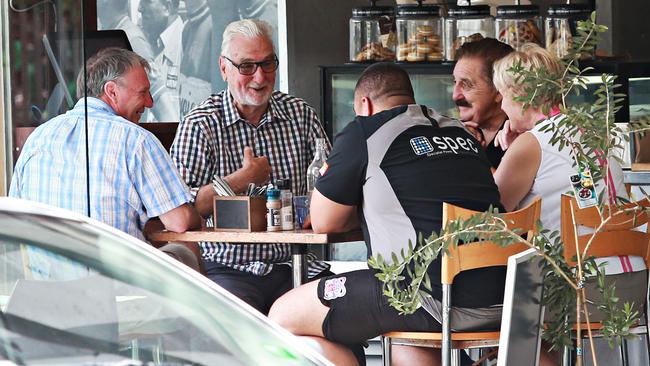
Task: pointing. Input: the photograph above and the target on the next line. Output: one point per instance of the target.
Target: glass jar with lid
(518, 24)
(560, 26)
(466, 24)
(372, 33)
(419, 33)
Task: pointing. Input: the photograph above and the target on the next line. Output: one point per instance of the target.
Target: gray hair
(109, 64)
(249, 28)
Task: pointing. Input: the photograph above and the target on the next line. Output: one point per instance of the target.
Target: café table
(299, 239)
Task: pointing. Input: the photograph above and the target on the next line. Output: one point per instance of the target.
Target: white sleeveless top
(552, 178)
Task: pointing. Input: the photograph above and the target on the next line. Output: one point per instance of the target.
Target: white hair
(249, 28)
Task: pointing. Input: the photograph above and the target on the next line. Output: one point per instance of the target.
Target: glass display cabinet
(433, 86)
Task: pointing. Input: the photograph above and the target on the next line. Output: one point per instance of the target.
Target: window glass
(41, 54)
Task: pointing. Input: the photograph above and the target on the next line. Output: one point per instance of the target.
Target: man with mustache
(478, 101)
(245, 134)
(384, 175)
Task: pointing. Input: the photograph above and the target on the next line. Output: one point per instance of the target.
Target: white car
(74, 291)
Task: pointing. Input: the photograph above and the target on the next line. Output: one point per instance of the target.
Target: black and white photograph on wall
(181, 39)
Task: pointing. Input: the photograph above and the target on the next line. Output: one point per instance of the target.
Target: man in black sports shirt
(390, 171)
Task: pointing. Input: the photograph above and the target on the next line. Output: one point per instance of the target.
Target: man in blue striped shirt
(131, 176)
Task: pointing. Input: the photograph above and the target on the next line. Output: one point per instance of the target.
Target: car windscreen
(72, 294)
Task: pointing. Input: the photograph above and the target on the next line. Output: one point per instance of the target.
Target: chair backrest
(617, 236)
(486, 253)
(521, 318)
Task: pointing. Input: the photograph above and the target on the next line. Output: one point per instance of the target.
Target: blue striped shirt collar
(94, 103)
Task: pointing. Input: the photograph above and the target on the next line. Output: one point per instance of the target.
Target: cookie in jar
(372, 34)
(518, 24)
(560, 26)
(419, 31)
(465, 24)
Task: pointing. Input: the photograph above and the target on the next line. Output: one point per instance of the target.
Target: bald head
(384, 80)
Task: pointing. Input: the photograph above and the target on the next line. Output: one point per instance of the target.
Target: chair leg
(135, 349)
(446, 326)
(455, 357)
(624, 356)
(566, 356)
(385, 350)
(647, 340)
(158, 351)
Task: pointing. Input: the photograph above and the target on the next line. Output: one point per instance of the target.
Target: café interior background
(310, 33)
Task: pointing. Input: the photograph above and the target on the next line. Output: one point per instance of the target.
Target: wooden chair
(618, 237)
(462, 258)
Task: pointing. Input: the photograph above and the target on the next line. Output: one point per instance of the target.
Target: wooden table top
(292, 236)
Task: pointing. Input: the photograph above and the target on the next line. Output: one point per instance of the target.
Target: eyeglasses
(249, 68)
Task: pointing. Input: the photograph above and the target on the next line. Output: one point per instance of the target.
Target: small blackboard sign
(239, 213)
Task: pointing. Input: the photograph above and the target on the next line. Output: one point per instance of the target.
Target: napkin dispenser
(239, 213)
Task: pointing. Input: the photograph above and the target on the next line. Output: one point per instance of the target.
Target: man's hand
(473, 128)
(254, 170)
(506, 136)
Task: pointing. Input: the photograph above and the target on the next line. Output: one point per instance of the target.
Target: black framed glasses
(249, 68)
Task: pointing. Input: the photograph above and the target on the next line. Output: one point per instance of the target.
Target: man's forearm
(205, 196)
(204, 200)
(237, 181)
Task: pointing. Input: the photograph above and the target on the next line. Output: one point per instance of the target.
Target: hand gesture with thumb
(256, 169)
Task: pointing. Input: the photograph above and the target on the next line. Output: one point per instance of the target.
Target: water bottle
(313, 171)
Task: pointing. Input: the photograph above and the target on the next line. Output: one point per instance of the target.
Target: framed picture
(181, 39)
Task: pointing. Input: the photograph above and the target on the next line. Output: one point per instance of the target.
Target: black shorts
(258, 291)
(358, 311)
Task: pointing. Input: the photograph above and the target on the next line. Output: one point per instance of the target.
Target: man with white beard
(248, 133)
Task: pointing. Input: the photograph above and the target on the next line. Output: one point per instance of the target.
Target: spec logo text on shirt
(441, 144)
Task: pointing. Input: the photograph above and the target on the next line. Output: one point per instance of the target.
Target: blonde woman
(532, 166)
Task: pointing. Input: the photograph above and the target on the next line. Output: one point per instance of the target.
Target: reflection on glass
(108, 303)
(342, 100)
(585, 96)
(35, 93)
(431, 90)
(640, 111)
(435, 92)
(639, 98)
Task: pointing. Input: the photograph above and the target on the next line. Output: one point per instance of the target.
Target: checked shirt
(211, 139)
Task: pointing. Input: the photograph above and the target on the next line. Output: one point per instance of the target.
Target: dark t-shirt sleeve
(343, 179)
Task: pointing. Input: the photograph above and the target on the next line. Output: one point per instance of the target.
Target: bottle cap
(273, 194)
(283, 183)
